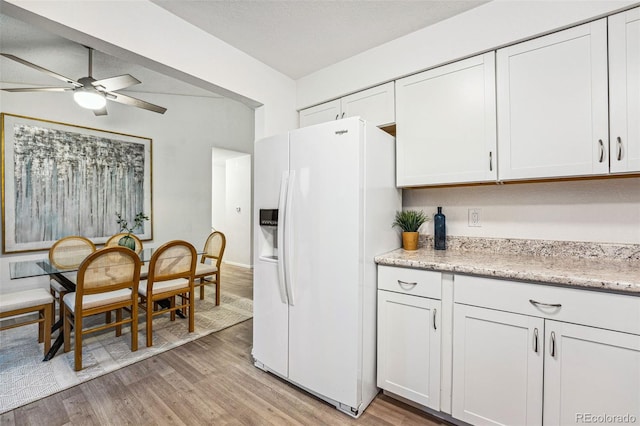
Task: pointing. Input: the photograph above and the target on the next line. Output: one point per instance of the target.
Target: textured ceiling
(296, 37)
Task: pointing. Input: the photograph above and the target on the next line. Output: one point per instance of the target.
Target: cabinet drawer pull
(601, 151)
(407, 285)
(553, 344)
(535, 340)
(490, 161)
(434, 319)
(549, 305)
(619, 148)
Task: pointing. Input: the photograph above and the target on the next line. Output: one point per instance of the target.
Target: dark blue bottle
(439, 231)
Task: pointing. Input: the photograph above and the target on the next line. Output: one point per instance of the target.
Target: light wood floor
(210, 381)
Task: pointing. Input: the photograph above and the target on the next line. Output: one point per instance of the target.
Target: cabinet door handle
(406, 285)
(434, 319)
(553, 344)
(535, 340)
(619, 148)
(342, 115)
(490, 161)
(337, 116)
(601, 151)
(549, 305)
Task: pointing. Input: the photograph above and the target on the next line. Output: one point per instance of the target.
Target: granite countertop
(612, 267)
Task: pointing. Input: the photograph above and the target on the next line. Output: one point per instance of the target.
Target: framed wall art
(60, 179)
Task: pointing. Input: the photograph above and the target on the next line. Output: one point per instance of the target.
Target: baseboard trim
(242, 265)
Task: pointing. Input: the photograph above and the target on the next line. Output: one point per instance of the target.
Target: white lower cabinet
(526, 368)
(488, 351)
(409, 347)
(409, 330)
(590, 375)
(497, 367)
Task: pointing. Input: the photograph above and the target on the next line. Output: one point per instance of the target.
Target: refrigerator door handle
(288, 235)
(282, 201)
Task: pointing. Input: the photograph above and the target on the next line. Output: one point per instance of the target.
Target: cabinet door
(552, 105)
(409, 347)
(375, 105)
(446, 124)
(322, 113)
(497, 367)
(590, 372)
(624, 86)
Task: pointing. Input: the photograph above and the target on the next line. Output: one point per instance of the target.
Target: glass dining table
(42, 267)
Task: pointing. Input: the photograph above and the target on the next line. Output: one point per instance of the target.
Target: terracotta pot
(410, 240)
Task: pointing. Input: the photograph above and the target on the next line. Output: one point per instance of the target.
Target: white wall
(182, 142)
(589, 210)
(598, 210)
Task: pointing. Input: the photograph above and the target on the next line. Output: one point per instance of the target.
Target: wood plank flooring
(210, 381)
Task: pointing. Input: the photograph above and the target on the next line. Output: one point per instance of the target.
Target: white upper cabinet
(322, 113)
(553, 105)
(375, 105)
(446, 124)
(624, 87)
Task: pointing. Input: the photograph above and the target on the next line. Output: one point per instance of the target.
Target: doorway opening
(231, 203)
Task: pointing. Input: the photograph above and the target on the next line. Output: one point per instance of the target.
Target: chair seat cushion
(204, 269)
(164, 286)
(24, 299)
(100, 299)
(59, 288)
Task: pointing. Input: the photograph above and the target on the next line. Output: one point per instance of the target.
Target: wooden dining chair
(19, 303)
(209, 273)
(108, 280)
(171, 271)
(67, 254)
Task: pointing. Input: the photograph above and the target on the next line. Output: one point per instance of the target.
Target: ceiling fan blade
(115, 83)
(39, 89)
(44, 70)
(101, 111)
(128, 100)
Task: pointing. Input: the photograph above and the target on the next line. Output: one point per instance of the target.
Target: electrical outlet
(474, 217)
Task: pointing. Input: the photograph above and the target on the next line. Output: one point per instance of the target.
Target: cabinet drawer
(416, 282)
(597, 309)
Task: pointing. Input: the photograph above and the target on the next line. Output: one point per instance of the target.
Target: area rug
(24, 377)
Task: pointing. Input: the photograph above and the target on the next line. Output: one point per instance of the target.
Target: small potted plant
(409, 221)
(127, 240)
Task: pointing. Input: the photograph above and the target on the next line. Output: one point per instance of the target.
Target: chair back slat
(214, 247)
(109, 270)
(69, 252)
(175, 259)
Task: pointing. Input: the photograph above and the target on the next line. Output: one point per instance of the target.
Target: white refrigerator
(324, 202)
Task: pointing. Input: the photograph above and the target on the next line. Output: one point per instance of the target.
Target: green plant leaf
(409, 220)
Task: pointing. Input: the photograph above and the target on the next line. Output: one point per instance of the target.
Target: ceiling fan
(89, 92)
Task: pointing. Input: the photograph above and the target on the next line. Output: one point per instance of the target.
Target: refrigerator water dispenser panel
(268, 238)
(268, 217)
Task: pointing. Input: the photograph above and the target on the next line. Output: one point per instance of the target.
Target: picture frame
(61, 179)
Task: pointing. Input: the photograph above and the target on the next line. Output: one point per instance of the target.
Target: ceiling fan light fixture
(89, 99)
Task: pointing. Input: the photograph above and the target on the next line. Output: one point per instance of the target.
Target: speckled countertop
(597, 266)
